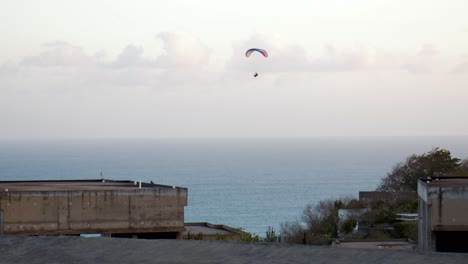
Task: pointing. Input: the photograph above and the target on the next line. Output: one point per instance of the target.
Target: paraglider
(261, 51)
(250, 51)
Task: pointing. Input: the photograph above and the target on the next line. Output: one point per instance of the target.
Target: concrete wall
(1, 222)
(386, 197)
(425, 239)
(76, 212)
(449, 214)
(443, 214)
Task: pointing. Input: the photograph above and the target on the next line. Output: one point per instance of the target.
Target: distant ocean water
(247, 183)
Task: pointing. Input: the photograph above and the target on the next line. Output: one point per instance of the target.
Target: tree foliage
(319, 223)
(462, 170)
(405, 175)
(348, 225)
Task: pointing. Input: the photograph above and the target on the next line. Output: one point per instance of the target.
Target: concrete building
(443, 215)
(107, 207)
(208, 231)
(370, 197)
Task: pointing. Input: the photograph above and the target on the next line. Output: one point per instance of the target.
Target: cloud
(423, 61)
(183, 60)
(62, 64)
(173, 94)
(335, 59)
(461, 68)
(462, 65)
(182, 51)
(295, 58)
(61, 54)
(7, 69)
(132, 56)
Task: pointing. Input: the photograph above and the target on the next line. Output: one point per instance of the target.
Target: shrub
(248, 237)
(407, 230)
(198, 236)
(348, 225)
(221, 236)
(271, 235)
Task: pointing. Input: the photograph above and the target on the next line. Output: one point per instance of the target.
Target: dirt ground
(120, 250)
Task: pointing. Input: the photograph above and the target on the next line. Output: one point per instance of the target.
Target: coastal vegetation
(320, 223)
(435, 163)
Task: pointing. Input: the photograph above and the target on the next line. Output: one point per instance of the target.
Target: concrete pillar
(422, 226)
(1, 223)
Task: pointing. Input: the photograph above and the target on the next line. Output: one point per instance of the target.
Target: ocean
(246, 183)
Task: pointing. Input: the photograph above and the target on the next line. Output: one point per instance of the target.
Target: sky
(157, 69)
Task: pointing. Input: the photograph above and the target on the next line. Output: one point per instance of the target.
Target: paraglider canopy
(250, 51)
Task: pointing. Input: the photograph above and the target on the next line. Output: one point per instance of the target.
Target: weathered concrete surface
(448, 201)
(113, 250)
(443, 214)
(212, 231)
(90, 206)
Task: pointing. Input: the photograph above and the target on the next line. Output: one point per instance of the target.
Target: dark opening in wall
(452, 241)
(159, 235)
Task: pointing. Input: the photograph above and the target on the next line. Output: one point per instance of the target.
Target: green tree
(405, 175)
(271, 235)
(462, 170)
(348, 225)
(319, 224)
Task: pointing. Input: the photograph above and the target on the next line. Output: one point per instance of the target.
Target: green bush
(198, 236)
(271, 235)
(221, 236)
(379, 234)
(406, 230)
(248, 237)
(348, 225)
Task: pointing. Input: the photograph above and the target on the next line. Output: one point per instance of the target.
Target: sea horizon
(249, 183)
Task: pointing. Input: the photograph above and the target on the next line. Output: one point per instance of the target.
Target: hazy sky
(151, 68)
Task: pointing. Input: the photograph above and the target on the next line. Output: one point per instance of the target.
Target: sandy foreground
(120, 250)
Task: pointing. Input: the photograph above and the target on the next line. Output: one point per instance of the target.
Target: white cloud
(61, 54)
(182, 51)
(462, 65)
(295, 58)
(461, 68)
(182, 60)
(424, 61)
(340, 91)
(132, 56)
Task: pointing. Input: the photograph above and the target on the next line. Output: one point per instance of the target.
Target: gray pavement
(115, 250)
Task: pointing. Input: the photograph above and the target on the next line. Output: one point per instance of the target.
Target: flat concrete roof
(446, 182)
(77, 185)
(210, 229)
(206, 230)
(29, 250)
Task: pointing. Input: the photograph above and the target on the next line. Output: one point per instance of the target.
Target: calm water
(248, 183)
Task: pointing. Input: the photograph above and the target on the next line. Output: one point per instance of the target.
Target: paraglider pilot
(263, 52)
